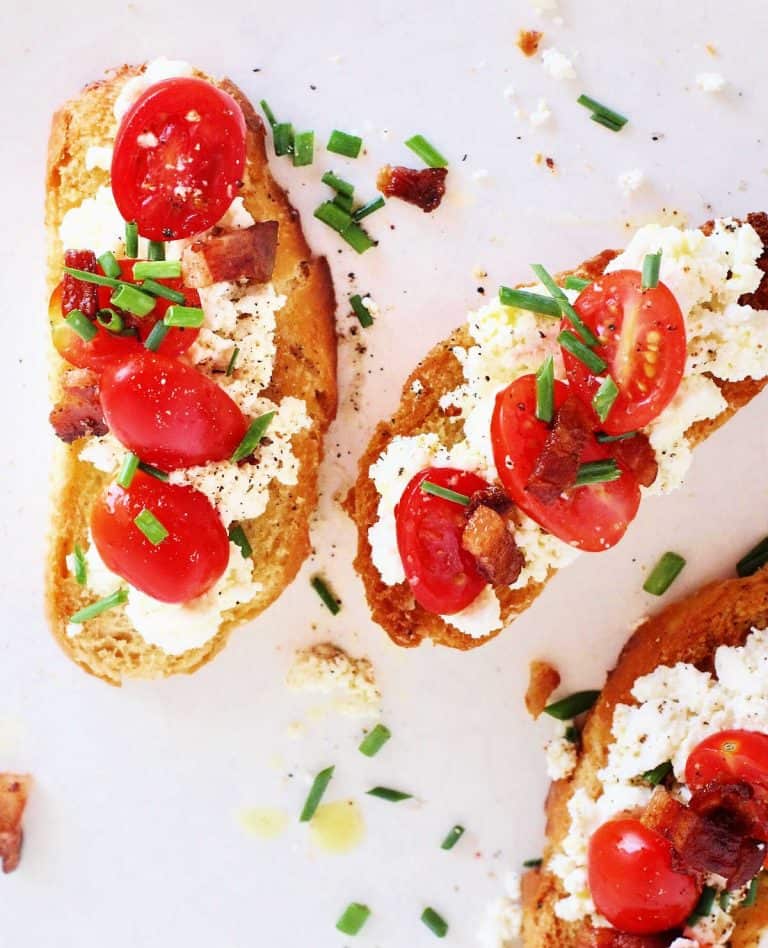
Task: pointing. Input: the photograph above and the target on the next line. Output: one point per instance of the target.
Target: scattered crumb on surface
(528, 41)
(509, 92)
(557, 64)
(543, 678)
(482, 174)
(545, 6)
(711, 49)
(710, 81)
(328, 669)
(630, 181)
(479, 273)
(541, 115)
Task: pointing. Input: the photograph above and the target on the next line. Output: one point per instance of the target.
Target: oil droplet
(263, 822)
(337, 827)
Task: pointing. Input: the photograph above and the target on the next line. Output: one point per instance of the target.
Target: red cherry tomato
(642, 341)
(727, 757)
(442, 575)
(632, 881)
(168, 413)
(593, 517)
(181, 567)
(179, 158)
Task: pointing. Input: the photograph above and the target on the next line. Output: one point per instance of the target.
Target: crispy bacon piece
(637, 454)
(493, 546)
(739, 805)
(543, 678)
(424, 187)
(494, 497)
(13, 798)
(79, 411)
(245, 254)
(610, 938)
(75, 294)
(558, 464)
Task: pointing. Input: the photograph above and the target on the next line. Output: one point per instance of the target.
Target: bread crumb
(557, 64)
(630, 181)
(328, 669)
(710, 81)
(528, 41)
(543, 678)
(479, 273)
(711, 49)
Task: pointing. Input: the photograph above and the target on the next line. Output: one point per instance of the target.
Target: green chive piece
(133, 300)
(78, 322)
(332, 215)
(752, 893)
(344, 202)
(657, 775)
(156, 250)
(131, 239)
(571, 343)
(151, 527)
(545, 390)
(153, 471)
(532, 863)
(158, 289)
(316, 791)
(604, 398)
(357, 238)
(238, 537)
(372, 743)
(369, 208)
(157, 269)
(597, 472)
(253, 436)
(427, 152)
(81, 566)
(751, 562)
(110, 320)
(117, 598)
(109, 264)
(725, 901)
(576, 283)
(128, 469)
(651, 267)
(533, 302)
(391, 796)
(567, 708)
(282, 138)
(342, 143)
(303, 149)
(361, 311)
(87, 277)
(338, 184)
(572, 734)
(452, 837)
(434, 922)
(607, 439)
(607, 122)
(233, 360)
(705, 904)
(664, 573)
(323, 591)
(554, 290)
(609, 116)
(187, 317)
(155, 338)
(354, 917)
(268, 112)
(445, 493)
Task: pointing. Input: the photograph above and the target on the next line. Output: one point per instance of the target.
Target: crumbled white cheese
(155, 71)
(105, 454)
(328, 669)
(504, 917)
(147, 140)
(98, 156)
(710, 82)
(236, 216)
(542, 551)
(684, 943)
(481, 617)
(714, 929)
(631, 181)
(545, 6)
(371, 306)
(95, 224)
(560, 755)
(509, 93)
(557, 64)
(541, 115)
(417, 387)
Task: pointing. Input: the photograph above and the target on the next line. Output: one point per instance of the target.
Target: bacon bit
(638, 455)
(740, 806)
(528, 42)
(14, 789)
(557, 467)
(543, 678)
(76, 294)
(79, 411)
(451, 411)
(424, 188)
(610, 938)
(245, 254)
(494, 497)
(487, 537)
(550, 163)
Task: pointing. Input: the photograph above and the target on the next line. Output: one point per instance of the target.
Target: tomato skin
(442, 575)
(632, 880)
(168, 413)
(592, 518)
(646, 369)
(188, 561)
(184, 182)
(728, 757)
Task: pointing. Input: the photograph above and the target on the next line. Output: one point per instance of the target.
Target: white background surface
(132, 832)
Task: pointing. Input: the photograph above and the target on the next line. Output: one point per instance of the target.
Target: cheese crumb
(631, 181)
(557, 64)
(561, 755)
(504, 917)
(328, 669)
(541, 115)
(710, 81)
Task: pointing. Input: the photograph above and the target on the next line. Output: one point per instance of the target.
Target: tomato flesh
(179, 158)
(442, 575)
(728, 757)
(642, 341)
(632, 880)
(593, 517)
(169, 413)
(186, 563)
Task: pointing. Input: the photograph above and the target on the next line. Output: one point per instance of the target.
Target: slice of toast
(304, 367)
(393, 607)
(690, 631)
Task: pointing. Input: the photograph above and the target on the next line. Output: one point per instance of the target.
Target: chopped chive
(153, 471)
(342, 143)
(545, 390)
(128, 469)
(87, 277)
(151, 527)
(355, 915)
(704, 905)
(157, 269)
(657, 775)
(81, 566)
(110, 320)
(391, 796)
(253, 436)
(372, 743)
(338, 184)
(752, 893)
(268, 112)
(131, 239)
(664, 573)
(651, 267)
(554, 290)
(233, 360)
(238, 537)
(427, 152)
(567, 708)
(332, 215)
(303, 149)
(344, 202)
(156, 250)
(78, 322)
(607, 439)
(186, 317)
(725, 901)
(571, 343)
(117, 598)
(316, 791)
(751, 562)
(597, 472)
(158, 289)
(533, 302)
(571, 734)
(282, 138)
(598, 109)
(452, 837)
(607, 122)
(361, 311)
(532, 863)
(133, 300)
(445, 493)
(155, 338)
(109, 264)
(576, 283)
(323, 591)
(357, 238)
(604, 398)
(373, 205)
(434, 922)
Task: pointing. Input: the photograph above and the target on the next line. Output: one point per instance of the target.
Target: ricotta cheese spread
(328, 669)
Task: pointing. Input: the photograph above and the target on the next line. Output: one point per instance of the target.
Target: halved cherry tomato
(642, 340)
(169, 413)
(633, 882)
(729, 756)
(181, 567)
(442, 575)
(179, 158)
(593, 517)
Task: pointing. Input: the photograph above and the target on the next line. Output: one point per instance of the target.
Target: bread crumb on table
(328, 669)
(543, 679)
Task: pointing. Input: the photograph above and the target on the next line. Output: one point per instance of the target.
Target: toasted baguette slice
(305, 367)
(690, 631)
(393, 607)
